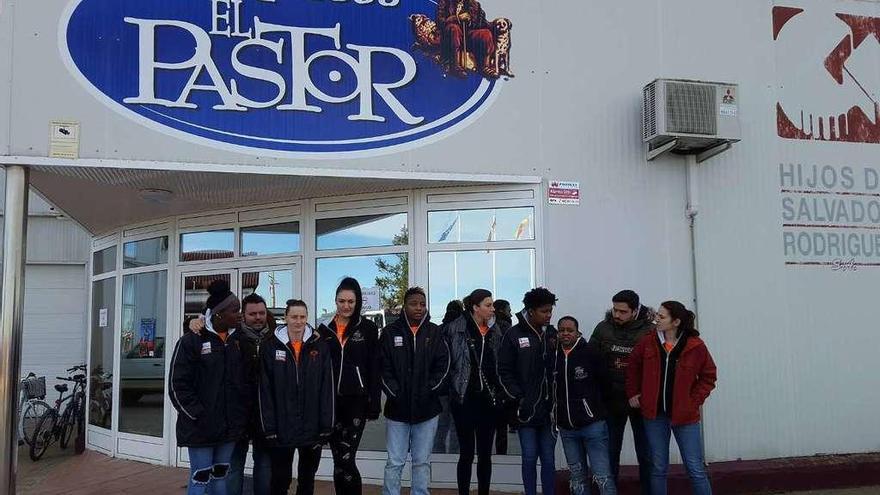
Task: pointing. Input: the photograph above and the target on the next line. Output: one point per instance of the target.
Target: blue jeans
(589, 442)
(402, 439)
(690, 445)
(262, 469)
(208, 467)
(538, 442)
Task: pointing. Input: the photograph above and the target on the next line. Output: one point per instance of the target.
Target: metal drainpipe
(11, 318)
(693, 208)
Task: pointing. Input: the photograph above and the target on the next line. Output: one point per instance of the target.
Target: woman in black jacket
(353, 342)
(296, 399)
(210, 387)
(474, 394)
(581, 386)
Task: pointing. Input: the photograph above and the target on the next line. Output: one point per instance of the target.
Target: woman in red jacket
(670, 375)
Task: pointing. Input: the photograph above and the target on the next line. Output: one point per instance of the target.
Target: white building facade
(285, 144)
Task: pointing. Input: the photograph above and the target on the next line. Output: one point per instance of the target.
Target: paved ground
(60, 472)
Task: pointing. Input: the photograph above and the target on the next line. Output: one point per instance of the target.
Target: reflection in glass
(364, 231)
(195, 294)
(390, 275)
(275, 286)
(142, 364)
(452, 275)
(498, 224)
(204, 246)
(104, 261)
(270, 239)
(145, 253)
(101, 360)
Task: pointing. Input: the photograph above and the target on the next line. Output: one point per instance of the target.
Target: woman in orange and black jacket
(670, 375)
(353, 342)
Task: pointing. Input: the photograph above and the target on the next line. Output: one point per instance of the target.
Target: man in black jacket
(415, 367)
(580, 384)
(616, 336)
(525, 365)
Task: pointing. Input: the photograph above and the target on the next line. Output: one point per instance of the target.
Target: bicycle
(31, 406)
(54, 426)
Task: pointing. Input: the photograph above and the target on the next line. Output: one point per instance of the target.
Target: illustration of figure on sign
(845, 91)
(461, 40)
(728, 98)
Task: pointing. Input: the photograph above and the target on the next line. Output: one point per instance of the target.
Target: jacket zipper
(357, 369)
(587, 407)
(567, 400)
(480, 366)
(665, 382)
(543, 380)
(341, 363)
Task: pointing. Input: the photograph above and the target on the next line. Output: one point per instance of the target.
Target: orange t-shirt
(414, 329)
(567, 351)
(668, 346)
(340, 332)
(223, 336)
(296, 346)
(484, 330)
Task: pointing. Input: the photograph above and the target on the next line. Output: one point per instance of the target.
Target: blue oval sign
(306, 78)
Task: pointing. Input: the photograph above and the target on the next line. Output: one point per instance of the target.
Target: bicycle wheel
(43, 434)
(68, 422)
(30, 415)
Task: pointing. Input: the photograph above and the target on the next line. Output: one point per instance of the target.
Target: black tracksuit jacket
(211, 386)
(415, 370)
(296, 400)
(525, 369)
(357, 365)
(580, 383)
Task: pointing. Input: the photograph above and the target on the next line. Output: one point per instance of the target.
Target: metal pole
(12, 319)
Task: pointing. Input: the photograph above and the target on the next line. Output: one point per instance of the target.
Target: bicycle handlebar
(77, 368)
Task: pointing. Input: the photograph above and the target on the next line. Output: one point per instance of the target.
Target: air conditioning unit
(690, 117)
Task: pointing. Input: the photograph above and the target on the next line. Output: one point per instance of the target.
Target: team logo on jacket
(357, 336)
(297, 78)
(524, 342)
(206, 348)
(579, 373)
(281, 356)
(398, 341)
(313, 353)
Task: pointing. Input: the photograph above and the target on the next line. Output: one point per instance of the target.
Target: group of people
(291, 390)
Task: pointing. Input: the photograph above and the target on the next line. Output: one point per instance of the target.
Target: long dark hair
(351, 284)
(474, 299)
(677, 311)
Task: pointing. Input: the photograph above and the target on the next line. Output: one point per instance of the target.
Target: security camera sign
(564, 193)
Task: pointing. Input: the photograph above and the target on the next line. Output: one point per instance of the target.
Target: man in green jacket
(616, 336)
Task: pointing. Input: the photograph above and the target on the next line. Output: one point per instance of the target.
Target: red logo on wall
(852, 125)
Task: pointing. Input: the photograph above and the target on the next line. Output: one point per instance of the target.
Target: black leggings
(344, 443)
(282, 470)
(475, 423)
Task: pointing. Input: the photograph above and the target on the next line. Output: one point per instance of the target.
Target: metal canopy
(105, 198)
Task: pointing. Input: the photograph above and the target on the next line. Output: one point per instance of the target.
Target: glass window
(358, 232)
(145, 253)
(452, 275)
(205, 246)
(195, 294)
(498, 224)
(104, 261)
(101, 359)
(270, 239)
(142, 364)
(275, 286)
(389, 274)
